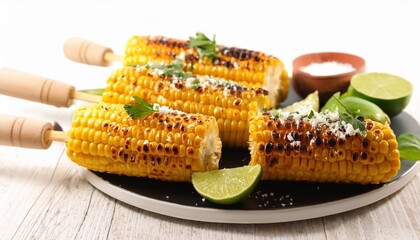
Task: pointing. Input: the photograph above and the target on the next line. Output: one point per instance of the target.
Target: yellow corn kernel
(383, 146)
(249, 68)
(114, 144)
(233, 105)
(321, 156)
(392, 143)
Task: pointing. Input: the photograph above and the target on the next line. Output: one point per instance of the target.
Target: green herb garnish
(311, 114)
(204, 46)
(409, 146)
(195, 83)
(356, 123)
(139, 109)
(174, 69)
(350, 118)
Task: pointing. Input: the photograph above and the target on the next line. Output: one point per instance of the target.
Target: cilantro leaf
(204, 46)
(196, 82)
(311, 114)
(139, 109)
(357, 124)
(350, 118)
(175, 69)
(409, 146)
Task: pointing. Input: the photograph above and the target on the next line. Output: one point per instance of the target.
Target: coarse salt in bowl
(327, 68)
(327, 72)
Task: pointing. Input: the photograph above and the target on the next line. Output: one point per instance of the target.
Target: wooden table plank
(385, 219)
(67, 206)
(98, 218)
(60, 210)
(23, 179)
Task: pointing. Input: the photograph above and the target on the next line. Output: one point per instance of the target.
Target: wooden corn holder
(28, 133)
(35, 88)
(87, 52)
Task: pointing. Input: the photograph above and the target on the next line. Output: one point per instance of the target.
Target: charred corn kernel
(233, 105)
(137, 147)
(320, 147)
(249, 68)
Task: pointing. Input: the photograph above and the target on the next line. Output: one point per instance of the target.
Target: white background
(32, 34)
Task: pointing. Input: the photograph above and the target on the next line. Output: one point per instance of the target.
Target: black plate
(269, 195)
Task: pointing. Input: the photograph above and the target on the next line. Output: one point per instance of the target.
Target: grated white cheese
(181, 55)
(339, 128)
(165, 109)
(235, 64)
(197, 81)
(290, 137)
(207, 82)
(295, 144)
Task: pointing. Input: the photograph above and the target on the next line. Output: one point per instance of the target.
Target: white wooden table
(42, 196)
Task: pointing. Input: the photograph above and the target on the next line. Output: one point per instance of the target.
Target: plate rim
(238, 216)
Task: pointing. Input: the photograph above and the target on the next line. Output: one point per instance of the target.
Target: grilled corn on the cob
(322, 149)
(233, 105)
(166, 146)
(249, 68)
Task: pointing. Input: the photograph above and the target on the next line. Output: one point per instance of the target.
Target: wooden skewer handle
(84, 51)
(23, 132)
(35, 88)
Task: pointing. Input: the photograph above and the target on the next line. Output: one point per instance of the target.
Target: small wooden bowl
(305, 83)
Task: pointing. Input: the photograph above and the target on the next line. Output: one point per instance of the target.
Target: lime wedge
(391, 93)
(311, 102)
(357, 107)
(227, 186)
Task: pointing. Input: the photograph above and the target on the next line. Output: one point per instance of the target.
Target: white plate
(272, 201)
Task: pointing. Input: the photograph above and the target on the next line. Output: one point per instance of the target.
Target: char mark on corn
(231, 104)
(250, 68)
(164, 146)
(297, 149)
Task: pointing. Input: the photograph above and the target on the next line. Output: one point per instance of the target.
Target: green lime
(391, 93)
(357, 107)
(310, 102)
(227, 186)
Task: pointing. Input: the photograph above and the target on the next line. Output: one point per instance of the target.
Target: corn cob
(232, 105)
(166, 146)
(249, 68)
(322, 149)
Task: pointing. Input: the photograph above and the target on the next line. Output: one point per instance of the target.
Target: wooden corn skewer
(85, 51)
(28, 133)
(35, 88)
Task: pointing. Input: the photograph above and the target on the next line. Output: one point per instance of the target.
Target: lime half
(227, 186)
(391, 93)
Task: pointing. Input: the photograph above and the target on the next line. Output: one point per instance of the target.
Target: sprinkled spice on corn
(230, 103)
(165, 144)
(249, 68)
(322, 148)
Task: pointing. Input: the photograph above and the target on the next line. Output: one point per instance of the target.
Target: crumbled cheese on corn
(181, 55)
(206, 81)
(290, 137)
(332, 120)
(197, 81)
(165, 109)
